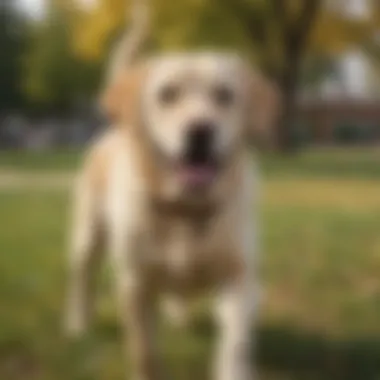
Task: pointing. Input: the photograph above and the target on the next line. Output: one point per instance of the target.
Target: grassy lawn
(39, 161)
(320, 268)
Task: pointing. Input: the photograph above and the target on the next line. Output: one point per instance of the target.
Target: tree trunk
(288, 86)
(295, 34)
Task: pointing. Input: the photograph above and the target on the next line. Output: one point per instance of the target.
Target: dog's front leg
(127, 226)
(234, 314)
(137, 307)
(138, 317)
(85, 256)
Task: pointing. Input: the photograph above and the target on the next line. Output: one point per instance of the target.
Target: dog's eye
(224, 96)
(169, 94)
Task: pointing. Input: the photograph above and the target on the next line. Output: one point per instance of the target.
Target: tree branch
(280, 14)
(295, 32)
(252, 19)
(302, 27)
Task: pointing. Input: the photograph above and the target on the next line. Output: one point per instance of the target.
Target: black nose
(199, 144)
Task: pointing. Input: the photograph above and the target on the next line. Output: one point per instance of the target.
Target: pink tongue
(197, 176)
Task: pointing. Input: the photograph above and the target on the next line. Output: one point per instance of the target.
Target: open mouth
(198, 167)
(198, 175)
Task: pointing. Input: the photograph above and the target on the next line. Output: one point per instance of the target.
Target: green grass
(39, 161)
(328, 163)
(320, 268)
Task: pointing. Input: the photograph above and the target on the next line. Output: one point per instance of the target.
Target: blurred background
(321, 208)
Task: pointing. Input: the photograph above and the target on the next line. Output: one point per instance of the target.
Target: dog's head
(195, 110)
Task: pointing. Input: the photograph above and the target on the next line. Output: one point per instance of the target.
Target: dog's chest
(191, 253)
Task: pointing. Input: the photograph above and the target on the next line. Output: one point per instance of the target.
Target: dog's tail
(130, 44)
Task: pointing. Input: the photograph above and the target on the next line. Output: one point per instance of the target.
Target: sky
(35, 7)
(32, 7)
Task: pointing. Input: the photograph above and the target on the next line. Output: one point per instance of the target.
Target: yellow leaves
(185, 23)
(175, 22)
(94, 28)
(333, 32)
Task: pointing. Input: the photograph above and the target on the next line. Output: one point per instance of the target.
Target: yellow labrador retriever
(168, 192)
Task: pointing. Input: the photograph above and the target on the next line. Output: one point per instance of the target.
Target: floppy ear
(121, 99)
(264, 107)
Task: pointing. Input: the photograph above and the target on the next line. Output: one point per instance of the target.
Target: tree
(55, 79)
(285, 32)
(12, 41)
(278, 34)
(291, 27)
